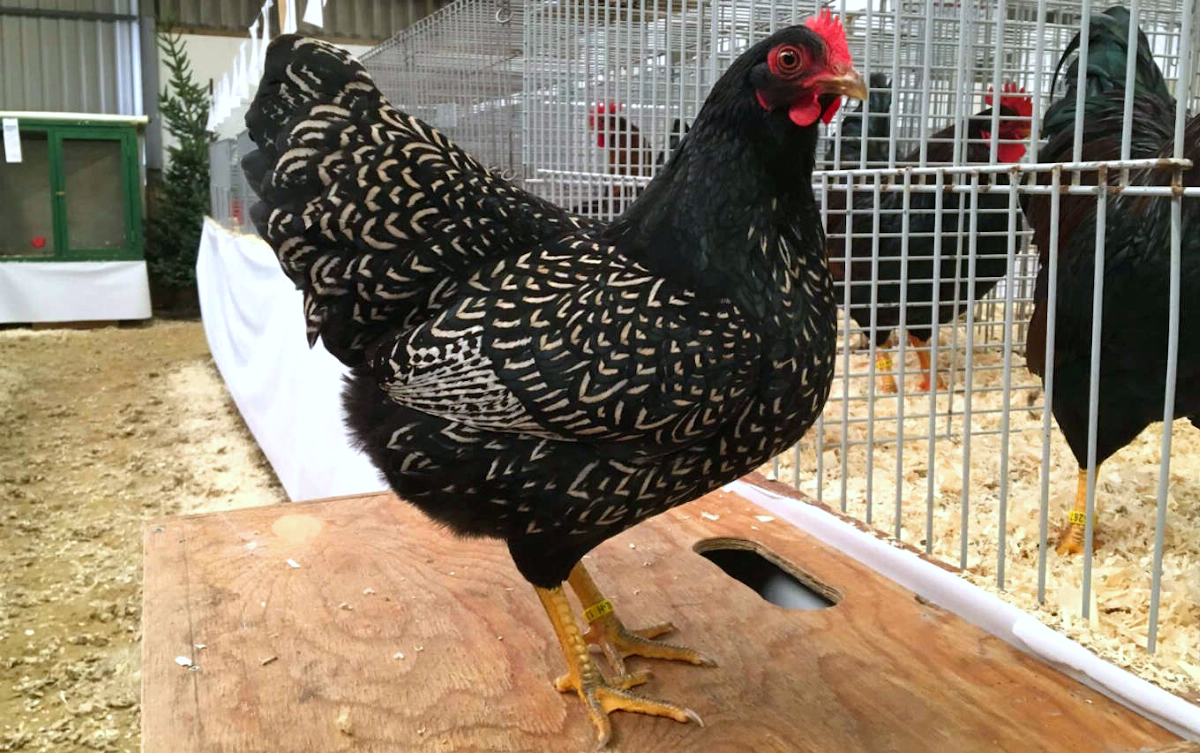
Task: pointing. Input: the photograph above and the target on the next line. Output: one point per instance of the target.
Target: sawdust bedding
(1127, 492)
(100, 430)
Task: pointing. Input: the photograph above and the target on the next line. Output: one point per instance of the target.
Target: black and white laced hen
(524, 374)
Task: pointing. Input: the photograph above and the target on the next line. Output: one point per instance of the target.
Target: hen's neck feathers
(733, 213)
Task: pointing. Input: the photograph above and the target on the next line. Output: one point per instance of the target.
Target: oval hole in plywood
(770, 576)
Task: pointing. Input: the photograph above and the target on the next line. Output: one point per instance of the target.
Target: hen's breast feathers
(576, 343)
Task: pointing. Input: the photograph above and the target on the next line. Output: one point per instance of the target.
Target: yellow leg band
(598, 610)
(1077, 518)
(883, 363)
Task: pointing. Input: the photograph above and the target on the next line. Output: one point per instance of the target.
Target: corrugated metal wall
(70, 56)
(356, 20)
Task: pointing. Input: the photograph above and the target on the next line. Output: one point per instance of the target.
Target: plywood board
(307, 656)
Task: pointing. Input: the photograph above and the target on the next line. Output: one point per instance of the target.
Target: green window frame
(58, 131)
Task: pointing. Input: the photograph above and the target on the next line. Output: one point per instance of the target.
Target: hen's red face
(809, 73)
(603, 119)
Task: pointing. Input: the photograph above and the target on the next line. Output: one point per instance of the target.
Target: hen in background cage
(230, 196)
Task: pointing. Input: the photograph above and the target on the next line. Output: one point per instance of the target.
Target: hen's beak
(843, 81)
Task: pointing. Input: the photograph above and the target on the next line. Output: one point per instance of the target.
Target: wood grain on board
(392, 634)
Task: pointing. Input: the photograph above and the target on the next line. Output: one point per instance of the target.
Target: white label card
(12, 141)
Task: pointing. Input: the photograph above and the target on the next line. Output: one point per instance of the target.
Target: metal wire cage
(460, 70)
(584, 102)
(230, 196)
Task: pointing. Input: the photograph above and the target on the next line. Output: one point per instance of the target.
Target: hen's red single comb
(600, 108)
(1013, 98)
(829, 27)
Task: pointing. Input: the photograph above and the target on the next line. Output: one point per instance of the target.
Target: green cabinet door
(76, 195)
(96, 193)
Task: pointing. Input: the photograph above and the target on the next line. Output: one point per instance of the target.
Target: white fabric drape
(289, 395)
(79, 291)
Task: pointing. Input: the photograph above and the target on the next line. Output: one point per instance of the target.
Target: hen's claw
(923, 386)
(617, 642)
(923, 355)
(601, 698)
(1070, 541)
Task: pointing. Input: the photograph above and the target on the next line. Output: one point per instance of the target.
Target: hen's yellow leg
(607, 631)
(1070, 541)
(927, 369)
(883, 369)
(600, 696)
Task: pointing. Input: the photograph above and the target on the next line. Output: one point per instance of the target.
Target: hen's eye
(786, 61)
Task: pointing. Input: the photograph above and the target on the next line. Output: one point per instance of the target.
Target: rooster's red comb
(1013, 98)
(829, 28)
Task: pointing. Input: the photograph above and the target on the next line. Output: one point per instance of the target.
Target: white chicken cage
(582, 103)
(230, 196)
(461, 70)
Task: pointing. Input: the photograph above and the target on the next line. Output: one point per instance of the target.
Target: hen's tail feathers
(374, 215)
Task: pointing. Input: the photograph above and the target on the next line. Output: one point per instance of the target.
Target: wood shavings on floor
(1126, 499)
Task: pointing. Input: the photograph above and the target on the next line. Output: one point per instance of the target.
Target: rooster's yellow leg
(883, 368)
(600, 696)
(607, 631)
(926, 373)
(1070, 541)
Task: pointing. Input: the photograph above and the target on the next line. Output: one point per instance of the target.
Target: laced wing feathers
(577, 347)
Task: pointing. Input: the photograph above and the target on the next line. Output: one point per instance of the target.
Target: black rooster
(523, 374)
(883, 297)
(1133, 338)
(878, 106)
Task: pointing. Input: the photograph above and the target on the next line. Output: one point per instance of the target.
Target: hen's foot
(923, 386)
(923, 356)
(887, 380)
(600, 697)
(618, 642)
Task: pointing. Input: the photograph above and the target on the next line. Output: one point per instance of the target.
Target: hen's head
(1016, 111)
(604, 120)
(803, 71)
